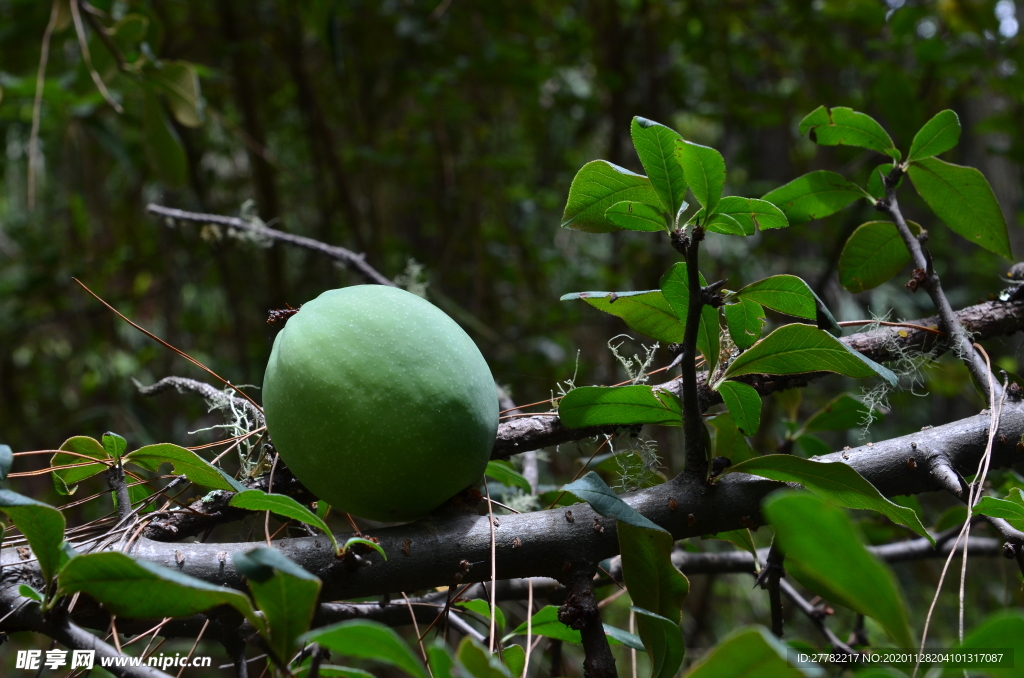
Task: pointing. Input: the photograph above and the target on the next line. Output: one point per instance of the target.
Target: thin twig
(194, 646)
(87, 58)
(37, 104)
(494, 566)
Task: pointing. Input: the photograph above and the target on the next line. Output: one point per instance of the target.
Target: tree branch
(347, 258)
(926, 277)
(696, 458)
(580, 612)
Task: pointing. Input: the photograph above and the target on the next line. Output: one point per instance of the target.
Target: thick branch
(580, 612)
(428, 552)
(696, 458)
(926, 277)
(348, 258)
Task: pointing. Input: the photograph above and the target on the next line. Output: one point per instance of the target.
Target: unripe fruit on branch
(379, 402)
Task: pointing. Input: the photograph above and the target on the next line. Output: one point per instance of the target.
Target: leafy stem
(696, 459)
(924, 276)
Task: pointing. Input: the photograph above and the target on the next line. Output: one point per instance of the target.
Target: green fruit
(379, 402)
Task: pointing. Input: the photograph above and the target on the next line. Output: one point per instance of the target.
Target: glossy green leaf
(727, 439)
(753, 213)
(114, 444)
(841, 413)
(663, 640)
(478, 662)
(365, 639)
(704, 169)
(441, 661)
(514, 659)
(744, 403)
(623, 637)
(636, 216)
(843, 126)
(333, 671)
(797, 349)
(656, 146)
(161, 143)
(591, 489)
(938, 135)
(142, 589)
(813, 196)
(783, 293)
(722, 223)
(1005, 630)
(676, 288)
(623, 405)
(6, 461)
(505, 473)
(647, 570)
(42, 525)
(872, 255)
(599, 185)
(65, 480)
(751, 652)
(646, 312)
(745, 320)
(483, 608)
(30, 593)
(369, 543)
(187, 462)
(285, 593)
(1009, 510)
(545, 623)
(282, 505)
(825, 554)
(741, 539)
(963, 198)
(836, 482)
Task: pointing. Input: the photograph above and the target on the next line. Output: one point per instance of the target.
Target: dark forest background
(440, 138)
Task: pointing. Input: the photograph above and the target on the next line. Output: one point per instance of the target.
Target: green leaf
(66, 480)
(813, 446)
(841, 413)
(962, 197)
(366, 639)
(505, 473)
(741, 539)
(6, 461)
(141, 589)
(876, 185)
(179, 81)
(825, 554)
(514, 658)
(744, 404)
(636, 216)
(873, 255)
(720, 223)
(186, 462)
(598, 186)
(1004, 630)
(480, 663)
(653, 581)
(30, 593)
(814, 196)
(162, 145)
(591, 489)
(663, 640)
(938, 135)
(332, 671)
(745, 320)
(728, 441)
(365, 542)
(752, 213)
(284, 592)
(646, 312)
(676, 287)
(656, 146)
(622, 405)
(545, 623)
(797, 349)
(623, 637)
(834, 481)
(783, 293)
(751, 652)
(704, 169)
(1011, 511)
(282, 505)
(440, 660)
(114, 444)
(483, 608)
(42, 525)
(843, 126)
